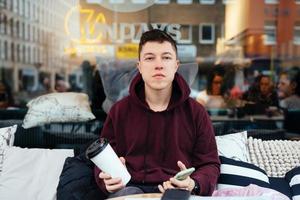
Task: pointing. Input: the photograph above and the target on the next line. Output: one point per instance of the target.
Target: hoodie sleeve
(107, 132)
(205, 157)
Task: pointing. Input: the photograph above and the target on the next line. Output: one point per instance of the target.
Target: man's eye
(149, 58)
(167, 58)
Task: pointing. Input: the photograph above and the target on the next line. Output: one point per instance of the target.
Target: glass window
(94, 1)
(1, 52)
(162, 1)
(271, 1)
(16, 6)
(207, 33)
(11, 6)
(139, 1)
(21, 54)
(2, 23)
(209, 2)
(184, 1)
(12, 51)
(297, 35)
(8, 5)
(270, 34)
(18, 49)
(229, 1)
(2, 3)
(24, 54)
(116, 1)
(21, 7)
(185, 34)
(5, 50)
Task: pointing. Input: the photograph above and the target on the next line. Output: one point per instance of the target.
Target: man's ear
(138, 65)
(177, 64)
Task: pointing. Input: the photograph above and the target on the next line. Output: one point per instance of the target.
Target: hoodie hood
(180, 91)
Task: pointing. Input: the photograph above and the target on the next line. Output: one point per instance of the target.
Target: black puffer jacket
(77, 180)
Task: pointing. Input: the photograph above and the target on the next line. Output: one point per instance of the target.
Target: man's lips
(158, 75)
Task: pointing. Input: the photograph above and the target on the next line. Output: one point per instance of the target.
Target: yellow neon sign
(90, 13)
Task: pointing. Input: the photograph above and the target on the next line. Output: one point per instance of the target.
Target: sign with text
(127, 51)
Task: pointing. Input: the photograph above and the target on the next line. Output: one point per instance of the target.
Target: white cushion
(7, 137)
(233, 146)
(58, 107)
(32, 173)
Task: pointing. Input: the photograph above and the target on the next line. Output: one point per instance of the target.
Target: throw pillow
(276, 157)
(234, 146)
(7, 137)
(293, 178)
(236, 174)
(58, 107)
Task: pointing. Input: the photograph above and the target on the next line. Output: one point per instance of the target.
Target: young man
(158, 129)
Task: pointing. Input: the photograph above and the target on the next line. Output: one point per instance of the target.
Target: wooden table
(146, 196)
(158, 196)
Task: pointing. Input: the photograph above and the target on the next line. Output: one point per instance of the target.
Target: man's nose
(158, 64)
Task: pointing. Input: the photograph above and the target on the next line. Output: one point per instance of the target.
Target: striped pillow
(293, 178)
(236, 174)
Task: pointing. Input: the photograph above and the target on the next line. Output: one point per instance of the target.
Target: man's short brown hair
(156, 35)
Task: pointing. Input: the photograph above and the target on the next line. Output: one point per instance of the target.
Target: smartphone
(184, 173)
(176, 194)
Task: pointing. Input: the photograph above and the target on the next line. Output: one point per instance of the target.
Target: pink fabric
(251, 190)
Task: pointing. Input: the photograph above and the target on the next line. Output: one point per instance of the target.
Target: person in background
(289, 89)
(6, 97)
(262, 92)
(61, 86)
(158, 129)
(98, 94)
(213, 96)
(44, 86)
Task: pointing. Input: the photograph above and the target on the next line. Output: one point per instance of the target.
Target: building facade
(196, 25)
(32, 41)
(267, 30)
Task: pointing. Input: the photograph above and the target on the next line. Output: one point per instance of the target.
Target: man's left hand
(187, 184)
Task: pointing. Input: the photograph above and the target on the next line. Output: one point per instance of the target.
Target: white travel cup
(105, 158)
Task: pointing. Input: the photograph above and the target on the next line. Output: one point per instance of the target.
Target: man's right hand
(112, 184)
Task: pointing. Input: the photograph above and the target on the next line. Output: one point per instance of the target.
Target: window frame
(139, 1)
(268, 28)
(185, 2)
(162, 2)
(295, 41)
(271, 1)
(228, 1)
(213, 33)
(207, 2)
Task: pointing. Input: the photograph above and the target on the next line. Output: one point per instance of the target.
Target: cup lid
(96, 147)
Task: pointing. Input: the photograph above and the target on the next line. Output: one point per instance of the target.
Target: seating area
(58, 135)
(77, 134)
(255, 150)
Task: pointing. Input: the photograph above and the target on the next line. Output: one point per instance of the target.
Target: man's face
(284, 87)
(158, 64)
(265, 85)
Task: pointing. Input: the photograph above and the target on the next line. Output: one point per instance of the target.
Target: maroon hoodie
(152, 142)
